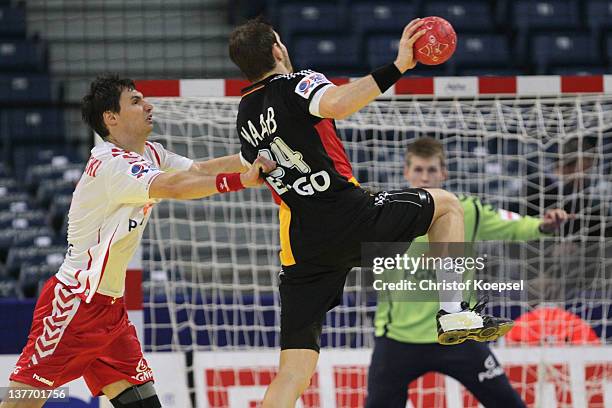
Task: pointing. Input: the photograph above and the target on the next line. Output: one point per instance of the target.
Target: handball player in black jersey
(324, 215)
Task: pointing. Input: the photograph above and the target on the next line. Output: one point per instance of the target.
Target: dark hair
(426, 147)
(104, 94)
(250, 47)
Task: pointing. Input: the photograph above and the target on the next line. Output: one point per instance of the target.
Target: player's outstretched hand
(405, 56)
(260, 168)
(552, 220)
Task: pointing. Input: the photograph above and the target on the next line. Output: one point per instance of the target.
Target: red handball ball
(438, 44)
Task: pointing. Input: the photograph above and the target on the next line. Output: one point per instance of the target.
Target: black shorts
(308, 290)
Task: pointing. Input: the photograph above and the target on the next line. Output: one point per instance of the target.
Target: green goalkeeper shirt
(414, 322)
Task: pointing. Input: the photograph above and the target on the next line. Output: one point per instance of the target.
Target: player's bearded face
(425, 172)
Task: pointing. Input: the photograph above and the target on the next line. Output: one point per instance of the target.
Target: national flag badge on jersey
(509, 215)
(140, 169)
(305, 87)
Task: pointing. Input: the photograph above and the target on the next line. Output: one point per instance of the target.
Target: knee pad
(137, 396)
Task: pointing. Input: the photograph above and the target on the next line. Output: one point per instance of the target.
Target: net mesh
(211, 265)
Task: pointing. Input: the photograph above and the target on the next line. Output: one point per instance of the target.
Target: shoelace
(477, 308)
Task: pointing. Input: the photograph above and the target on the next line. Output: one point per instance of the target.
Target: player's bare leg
(24, 403)
(447, 228)
(457, 323)
(295, 371)
(116, 388)
(447, 221)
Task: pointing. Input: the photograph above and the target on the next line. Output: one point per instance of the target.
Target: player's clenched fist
(553, 219)
(253, 177)
(405, 56)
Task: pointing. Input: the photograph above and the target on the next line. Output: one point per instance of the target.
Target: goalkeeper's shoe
(455, 328)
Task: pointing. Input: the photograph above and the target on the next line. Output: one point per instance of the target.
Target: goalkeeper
(406, 344)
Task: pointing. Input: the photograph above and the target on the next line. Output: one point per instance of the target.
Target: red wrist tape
(227, 182)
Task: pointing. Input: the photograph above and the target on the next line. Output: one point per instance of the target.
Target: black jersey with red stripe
(320, 199)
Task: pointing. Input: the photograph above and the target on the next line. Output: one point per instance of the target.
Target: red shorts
(70, 339)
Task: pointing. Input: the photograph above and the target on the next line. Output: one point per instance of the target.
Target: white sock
(450, 300)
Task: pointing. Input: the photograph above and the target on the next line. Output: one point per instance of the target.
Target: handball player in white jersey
(80, 326)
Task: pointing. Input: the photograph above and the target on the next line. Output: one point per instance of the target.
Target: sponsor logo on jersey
(305, 87)
(492, 370)
(143, 372)
(304, 186)
(142, 366)
(132, 224)
(42, 379)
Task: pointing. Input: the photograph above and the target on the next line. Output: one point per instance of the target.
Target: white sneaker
(455, 328)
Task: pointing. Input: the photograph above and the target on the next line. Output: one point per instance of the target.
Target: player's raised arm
(190, 184)
(342, 101)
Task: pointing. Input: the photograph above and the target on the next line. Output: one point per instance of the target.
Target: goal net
(211, 265)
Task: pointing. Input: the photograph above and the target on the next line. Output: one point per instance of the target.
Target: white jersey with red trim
(110, 209)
